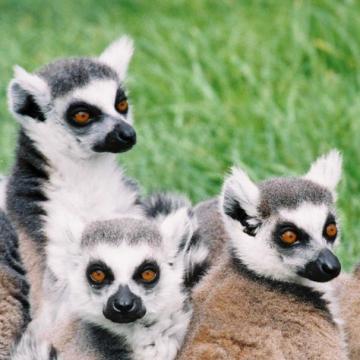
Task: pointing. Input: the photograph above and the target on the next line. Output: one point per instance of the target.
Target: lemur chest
(77, 198)
(161, 341)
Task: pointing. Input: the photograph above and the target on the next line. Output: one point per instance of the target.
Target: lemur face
(286, 228)
(78, 105)
(132, 270)
(123, 281)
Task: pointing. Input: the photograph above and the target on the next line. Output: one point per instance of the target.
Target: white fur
(31, 345)
(176, 227)
(25, 83)
(3, 183)
(164, 304)
(326, 170)
(118, 55)
(243, 190)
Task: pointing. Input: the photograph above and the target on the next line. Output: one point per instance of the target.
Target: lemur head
(78, 104)
(286, 228)
(134, 270)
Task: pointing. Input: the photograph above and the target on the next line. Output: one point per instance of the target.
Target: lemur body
(130, 288)
(268, 296)
(74, 117)
(14, 307)
(348, 291)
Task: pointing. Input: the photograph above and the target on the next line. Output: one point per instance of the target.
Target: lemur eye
(289, 237)
(97, 276)
(148, 273)
(81, 117)
(122, 106)
(148, 276)
(331, 230)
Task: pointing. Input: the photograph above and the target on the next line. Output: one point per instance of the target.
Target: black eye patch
(101, 268)
(302, 237)
(120, 95)
(82, 107)
(147, 274)
(330, 230)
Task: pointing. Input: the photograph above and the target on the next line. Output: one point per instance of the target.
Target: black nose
(122, 138)
(124, 303)
(126, 133)
(325, 268)
(124, 306)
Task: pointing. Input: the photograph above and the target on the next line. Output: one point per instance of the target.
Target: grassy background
(268, 84)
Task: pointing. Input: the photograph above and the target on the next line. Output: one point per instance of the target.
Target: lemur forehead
(126, 230)
(65, 75)
(290, 193)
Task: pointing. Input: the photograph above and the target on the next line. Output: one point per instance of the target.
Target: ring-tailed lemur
(14, 307)
(129, 295)
(74, 116)
(268, 297)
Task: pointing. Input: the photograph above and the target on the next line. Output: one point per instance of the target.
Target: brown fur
(12, 319)
(33, 263)
(236, 317)
(67, 343)
(349, 295)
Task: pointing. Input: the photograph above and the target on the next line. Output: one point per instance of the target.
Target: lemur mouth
(123, 318)
(325, 268)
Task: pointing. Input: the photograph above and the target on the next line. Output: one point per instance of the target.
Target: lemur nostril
(127, 135)
(124, 305)
(330, 268)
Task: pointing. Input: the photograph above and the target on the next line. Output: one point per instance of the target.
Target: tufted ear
(326, 170)
(28, 95)
(177, 229)
(183, 243)
(240, 199)
(118, 55)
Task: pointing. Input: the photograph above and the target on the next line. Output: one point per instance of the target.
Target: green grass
(268, 84)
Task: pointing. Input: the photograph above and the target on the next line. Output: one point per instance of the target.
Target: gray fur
(105, 344)
(290, 193)
(132, 231)
(65, 75)
(162, 204)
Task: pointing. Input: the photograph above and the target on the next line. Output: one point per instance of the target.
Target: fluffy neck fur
(66, 193)
(160, 340)
(243, 251)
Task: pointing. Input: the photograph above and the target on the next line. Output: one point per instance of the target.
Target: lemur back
(270, 295)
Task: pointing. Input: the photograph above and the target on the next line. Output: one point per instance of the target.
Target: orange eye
(148, 276)
(81, 117)
(122, 106)
(331, 230)
(97, 276)
(289, 237)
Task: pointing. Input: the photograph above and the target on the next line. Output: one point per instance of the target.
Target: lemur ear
(28, 95)
(326, 170)
(177, 228)
(180, 232)
(240, 199)
(118, 55)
